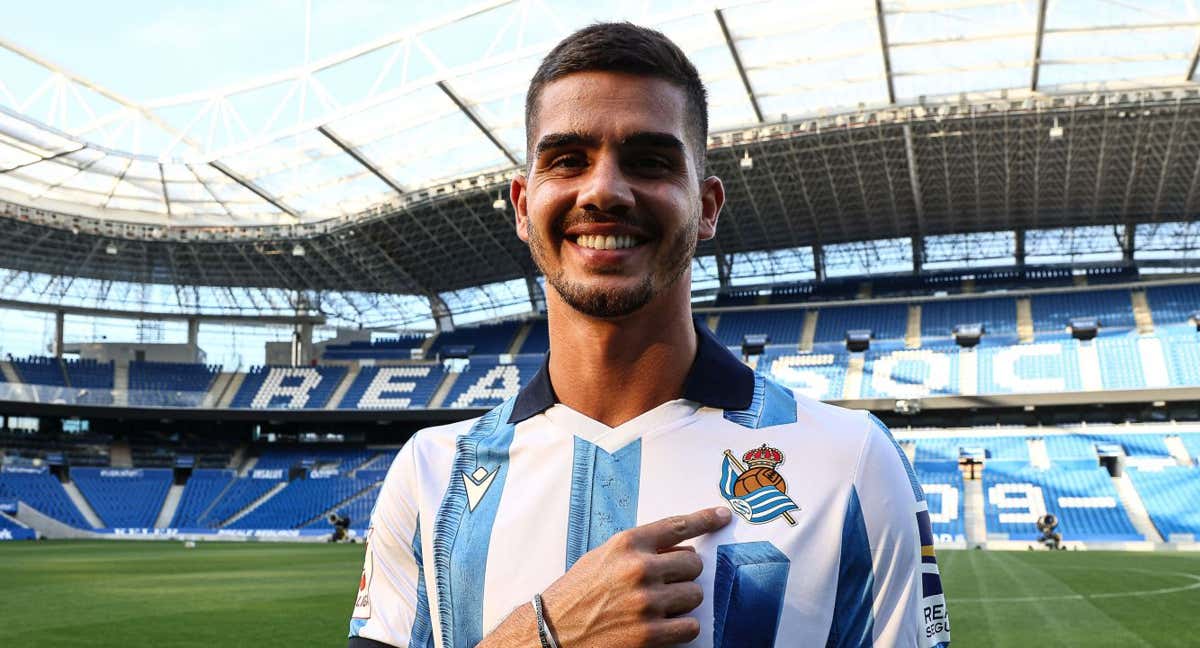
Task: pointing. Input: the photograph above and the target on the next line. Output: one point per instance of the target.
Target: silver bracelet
(544, 634)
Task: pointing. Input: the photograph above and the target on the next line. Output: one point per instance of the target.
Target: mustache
(574, 218)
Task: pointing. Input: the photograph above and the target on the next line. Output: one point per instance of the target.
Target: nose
(606, 187)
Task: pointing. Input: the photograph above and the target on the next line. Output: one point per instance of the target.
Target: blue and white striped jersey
(830, 544)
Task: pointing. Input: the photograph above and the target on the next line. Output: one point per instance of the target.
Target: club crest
(754, 489)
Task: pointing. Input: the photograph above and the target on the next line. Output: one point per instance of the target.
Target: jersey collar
(717, 379)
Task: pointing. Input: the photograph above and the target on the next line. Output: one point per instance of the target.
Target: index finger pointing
(670, 531)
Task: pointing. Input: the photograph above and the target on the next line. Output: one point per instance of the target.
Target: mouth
(606, 241)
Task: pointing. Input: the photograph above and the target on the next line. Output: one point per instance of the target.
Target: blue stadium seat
(243, 491)
(820, 374)
(997, 314)
(781, 326)
(393, 387)
(488, 339)
(1171, 497)
(892, 371)
(42, 491)
(200, 493)
(943, 486)
(888, 321)
(357, 509)
(288, 387)
(1052, 312)
(538, 340)
(1173, 304)
(487, 382)
(124, 497)
(1083, 499)
(1048, 365)
(169, 384)
(394, 348)
(1181, 345)
(301, 502)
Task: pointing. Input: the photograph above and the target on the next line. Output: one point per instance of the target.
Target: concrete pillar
(537, 297)
(193, 333)
(441, 314)
(819, 261)
(58, 333)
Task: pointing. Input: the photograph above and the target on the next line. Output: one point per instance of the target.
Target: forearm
(519, 629)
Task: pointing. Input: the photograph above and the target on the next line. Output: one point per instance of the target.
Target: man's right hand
(633, 590)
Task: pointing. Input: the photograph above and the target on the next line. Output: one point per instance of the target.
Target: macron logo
(477, 484)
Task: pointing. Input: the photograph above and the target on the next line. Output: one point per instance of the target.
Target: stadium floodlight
(1084, 328)
(754, 343)
(747, 162)
(297, 250)
(858, 340)
(499, 204)
(968, 335)
(110, 249)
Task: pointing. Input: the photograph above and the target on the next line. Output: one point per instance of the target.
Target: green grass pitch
(252, 594)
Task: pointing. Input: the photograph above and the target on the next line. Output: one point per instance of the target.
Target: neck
(614, 370)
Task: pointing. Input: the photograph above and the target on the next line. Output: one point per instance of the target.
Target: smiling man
(645, 488)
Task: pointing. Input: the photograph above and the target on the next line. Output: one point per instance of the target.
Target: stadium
(223, 312)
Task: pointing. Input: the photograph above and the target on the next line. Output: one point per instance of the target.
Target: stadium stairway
(335, 399)
(975, 525)
(10, 374)
(912, 331)
(854, 376)
(809, 332)
(1135, 508)
(121, 383)
(1024, 320)
(1178, 450)
(82, 504)
(1038, 456)
(334, 509)
(170, 504)
(443, 390)
(232, 386)
(1141, 312)
(519, 338)
(255, 504)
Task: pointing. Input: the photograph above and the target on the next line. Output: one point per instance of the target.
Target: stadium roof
(442, 101)
(866, 121)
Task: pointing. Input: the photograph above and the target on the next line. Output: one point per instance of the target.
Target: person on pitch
(645, 488)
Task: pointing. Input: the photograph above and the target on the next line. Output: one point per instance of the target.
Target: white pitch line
(1106, 595)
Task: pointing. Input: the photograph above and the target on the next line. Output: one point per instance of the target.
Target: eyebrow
(640, 139)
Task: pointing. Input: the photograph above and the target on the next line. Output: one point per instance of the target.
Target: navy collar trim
(717, 379)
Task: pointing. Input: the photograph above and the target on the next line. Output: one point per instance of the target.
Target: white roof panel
(313, 141)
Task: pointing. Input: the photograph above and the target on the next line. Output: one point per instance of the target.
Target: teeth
(601, 242)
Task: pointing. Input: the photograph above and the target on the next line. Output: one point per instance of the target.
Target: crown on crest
(763, 456)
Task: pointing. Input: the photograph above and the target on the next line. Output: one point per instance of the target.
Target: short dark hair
(623, 47)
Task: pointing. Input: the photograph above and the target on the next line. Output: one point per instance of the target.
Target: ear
(712, 199)
(516, 192)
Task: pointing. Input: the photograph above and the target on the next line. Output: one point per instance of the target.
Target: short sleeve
(391, 607)
(894, 596)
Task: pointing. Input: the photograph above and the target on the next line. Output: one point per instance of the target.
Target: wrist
(520, 628)
(545, 631)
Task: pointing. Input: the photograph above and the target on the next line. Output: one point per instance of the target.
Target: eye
(569, 161)
(652, 164)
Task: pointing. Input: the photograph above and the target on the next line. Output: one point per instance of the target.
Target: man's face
(612, 208)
